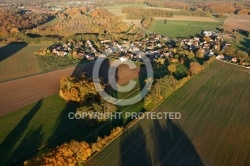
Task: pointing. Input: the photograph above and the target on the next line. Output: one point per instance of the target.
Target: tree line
(139, 12)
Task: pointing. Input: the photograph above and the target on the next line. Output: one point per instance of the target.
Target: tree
(230, 51)
(172, 68)
(200, 53)
(243, 55)
(191, 55)
(148, 101)
(186, 52)
(195, 68)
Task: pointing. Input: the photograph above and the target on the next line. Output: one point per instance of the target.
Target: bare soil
(21, 92)
(238, 22)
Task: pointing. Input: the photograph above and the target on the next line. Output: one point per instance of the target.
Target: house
(124, 59)
(196, 39)
(207, 33)
(150, 47)
(220, 57)
(62, 53)
(234, 60)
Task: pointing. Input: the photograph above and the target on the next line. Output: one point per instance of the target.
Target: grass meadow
(28, 128)
(181, 28)
(17, 60)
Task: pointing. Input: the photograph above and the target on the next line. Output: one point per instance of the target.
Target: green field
(240, 42)
(28, 128)
(18, 60)
(40, 123)
(215, 113)
(214, 128)
(181, 28)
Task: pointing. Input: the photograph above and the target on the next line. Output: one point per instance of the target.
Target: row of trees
(162, 88)
(168, 4)
(224, 7)
(74, 152)
(139, 12)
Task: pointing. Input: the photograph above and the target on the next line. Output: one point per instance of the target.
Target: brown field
(117, 10)
(214, 128)
(21, 92)
(238, 22)
(189, 18)
(17, 60)
(161, 8)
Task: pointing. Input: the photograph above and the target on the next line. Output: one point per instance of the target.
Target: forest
(14, 20)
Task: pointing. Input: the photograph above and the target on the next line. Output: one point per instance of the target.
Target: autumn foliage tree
(74, 152)
(172, 68)
(83, 90)
(195, 68)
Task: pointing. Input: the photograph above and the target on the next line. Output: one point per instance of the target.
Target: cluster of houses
(78, 50)
(153, 46)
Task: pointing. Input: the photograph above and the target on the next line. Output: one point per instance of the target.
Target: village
(153, 46)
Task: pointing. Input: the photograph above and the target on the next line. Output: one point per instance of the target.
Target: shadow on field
(172, 146)
(67, 129)
(10, 49)
(11, 154)
(133, 148)
(246, 44)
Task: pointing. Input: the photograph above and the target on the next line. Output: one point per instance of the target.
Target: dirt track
(19, 93)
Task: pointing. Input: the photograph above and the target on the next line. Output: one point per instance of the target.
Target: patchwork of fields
(117, 10)
(17, 60)
(181, 28)
(214, 128)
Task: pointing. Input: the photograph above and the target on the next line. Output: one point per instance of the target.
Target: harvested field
(19, 93)
(214, 128)
(117, 9)
(238, 22)
(189, 18)
(17, 60)
(162, 8)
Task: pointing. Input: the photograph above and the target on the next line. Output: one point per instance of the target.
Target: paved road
(21, 92)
